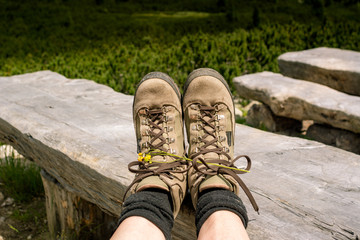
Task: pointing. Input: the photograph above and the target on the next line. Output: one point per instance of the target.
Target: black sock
(216, 199)
(152, 204)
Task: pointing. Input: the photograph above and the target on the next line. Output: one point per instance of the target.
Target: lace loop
(146, 169)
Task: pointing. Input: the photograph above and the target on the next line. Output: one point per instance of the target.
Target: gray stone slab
(336, 68)
(340, 138)
(261, 116)
(81, 133)
(301, 100)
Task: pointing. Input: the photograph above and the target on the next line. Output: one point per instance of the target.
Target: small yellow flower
(148, 158)
(140, 157)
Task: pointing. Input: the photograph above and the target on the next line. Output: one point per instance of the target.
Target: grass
(117, 42)
(21, 179)
(28, 215)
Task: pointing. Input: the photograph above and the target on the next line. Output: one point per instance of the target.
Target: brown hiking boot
(157, 117)
(210, 125)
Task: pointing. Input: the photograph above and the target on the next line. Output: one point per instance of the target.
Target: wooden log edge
(71, 217)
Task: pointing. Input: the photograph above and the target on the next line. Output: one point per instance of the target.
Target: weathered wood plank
(336, 68)
(301, 100)
(69, 128)
(71, 217)
(81, 133)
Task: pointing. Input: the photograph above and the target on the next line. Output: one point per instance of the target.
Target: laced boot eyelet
(221, 138)
(170, 140)
(145, 145)
(196, 139)
(220, 128)
(144, 111)
(219, 117)
(196, 150)
(197, 127)
(218, 107)
(145, 133)
(168, 118)
(168, 129)
(195, 117)
(164, 109)
(194, 107)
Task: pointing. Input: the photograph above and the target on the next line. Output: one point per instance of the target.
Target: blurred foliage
(116, 42)
(21, 179)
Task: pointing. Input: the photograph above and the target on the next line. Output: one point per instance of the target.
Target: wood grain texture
(71, 217)
(81, 133)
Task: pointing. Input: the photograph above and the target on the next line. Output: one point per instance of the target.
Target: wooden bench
(81, 134)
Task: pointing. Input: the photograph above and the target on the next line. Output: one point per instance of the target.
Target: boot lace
(154, 119)
(211, 144)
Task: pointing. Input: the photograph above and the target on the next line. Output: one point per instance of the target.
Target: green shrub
(21, 179)
(117, 42)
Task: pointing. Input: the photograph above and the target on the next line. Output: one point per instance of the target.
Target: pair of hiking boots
(208, 111)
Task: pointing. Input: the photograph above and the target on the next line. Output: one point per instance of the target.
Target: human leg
(152, 208)
(220, 214)
(223, 224)
(129, 230)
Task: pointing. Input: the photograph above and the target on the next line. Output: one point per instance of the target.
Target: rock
(9, 151)
(9, 201)
(81, 133)
(2, 238)
(301, 100)
(247, 107)
(340, 138)
(306, 124)
(336, 68)
(29, 237)
(1, 197)
(260, 116)
(2, 219)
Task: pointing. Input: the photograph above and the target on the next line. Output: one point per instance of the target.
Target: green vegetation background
(116, 42)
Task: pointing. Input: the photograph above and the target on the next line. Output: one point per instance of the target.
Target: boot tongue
(152, 182)
(162, 159)
(210, 155)
(216, 181)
